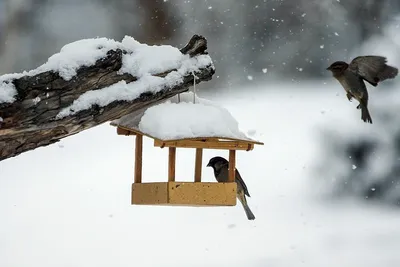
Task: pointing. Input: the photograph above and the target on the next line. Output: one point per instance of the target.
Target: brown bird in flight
(372, 69)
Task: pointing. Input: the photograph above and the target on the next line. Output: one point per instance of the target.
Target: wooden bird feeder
(196, 193)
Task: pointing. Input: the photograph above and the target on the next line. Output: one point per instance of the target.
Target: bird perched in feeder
(372, 69)
(221, 173)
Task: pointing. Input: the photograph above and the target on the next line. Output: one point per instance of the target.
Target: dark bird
(221, 173)
(372, 69)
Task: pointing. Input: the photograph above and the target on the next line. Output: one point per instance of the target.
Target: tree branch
(31, 121)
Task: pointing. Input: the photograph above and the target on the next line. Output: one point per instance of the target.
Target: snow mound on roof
(172, 120)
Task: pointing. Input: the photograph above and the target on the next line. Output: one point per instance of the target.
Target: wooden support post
(197, 168)
(138, 158)
(232, 165)
(171, 164)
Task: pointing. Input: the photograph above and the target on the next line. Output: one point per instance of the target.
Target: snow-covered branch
(91, 82)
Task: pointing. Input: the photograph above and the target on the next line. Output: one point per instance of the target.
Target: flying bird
(221, 173)
(372, 69)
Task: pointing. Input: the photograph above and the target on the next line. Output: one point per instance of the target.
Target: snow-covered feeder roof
(175, 120)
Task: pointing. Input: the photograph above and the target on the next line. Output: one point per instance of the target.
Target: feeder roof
(173, 121)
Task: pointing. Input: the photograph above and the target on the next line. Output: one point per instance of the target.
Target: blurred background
(295, 39)
(270, 58)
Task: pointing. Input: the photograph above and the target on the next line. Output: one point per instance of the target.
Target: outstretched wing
(373, 69)
(242, 184)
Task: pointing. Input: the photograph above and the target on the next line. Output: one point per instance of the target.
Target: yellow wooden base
(184, 194)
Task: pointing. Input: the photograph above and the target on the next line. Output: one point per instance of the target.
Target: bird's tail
(365, 116)
(248, 211)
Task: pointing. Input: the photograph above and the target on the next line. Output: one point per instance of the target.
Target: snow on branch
(90, 82)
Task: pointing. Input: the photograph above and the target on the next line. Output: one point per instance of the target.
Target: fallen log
(77, 90)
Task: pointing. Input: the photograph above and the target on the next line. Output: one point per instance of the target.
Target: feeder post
(197, 170)
(138, 158)
(232, 165)
(171, 164)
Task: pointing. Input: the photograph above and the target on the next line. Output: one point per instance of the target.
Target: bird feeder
(173, 192)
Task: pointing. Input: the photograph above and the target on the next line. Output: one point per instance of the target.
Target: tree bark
(28, 124)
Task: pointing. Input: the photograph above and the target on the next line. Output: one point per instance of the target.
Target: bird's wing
(241, 182)
(372, 69)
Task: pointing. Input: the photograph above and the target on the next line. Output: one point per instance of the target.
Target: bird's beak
(208, 165)
(328, 68)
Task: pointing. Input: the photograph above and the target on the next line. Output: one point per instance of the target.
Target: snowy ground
(69, 204)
